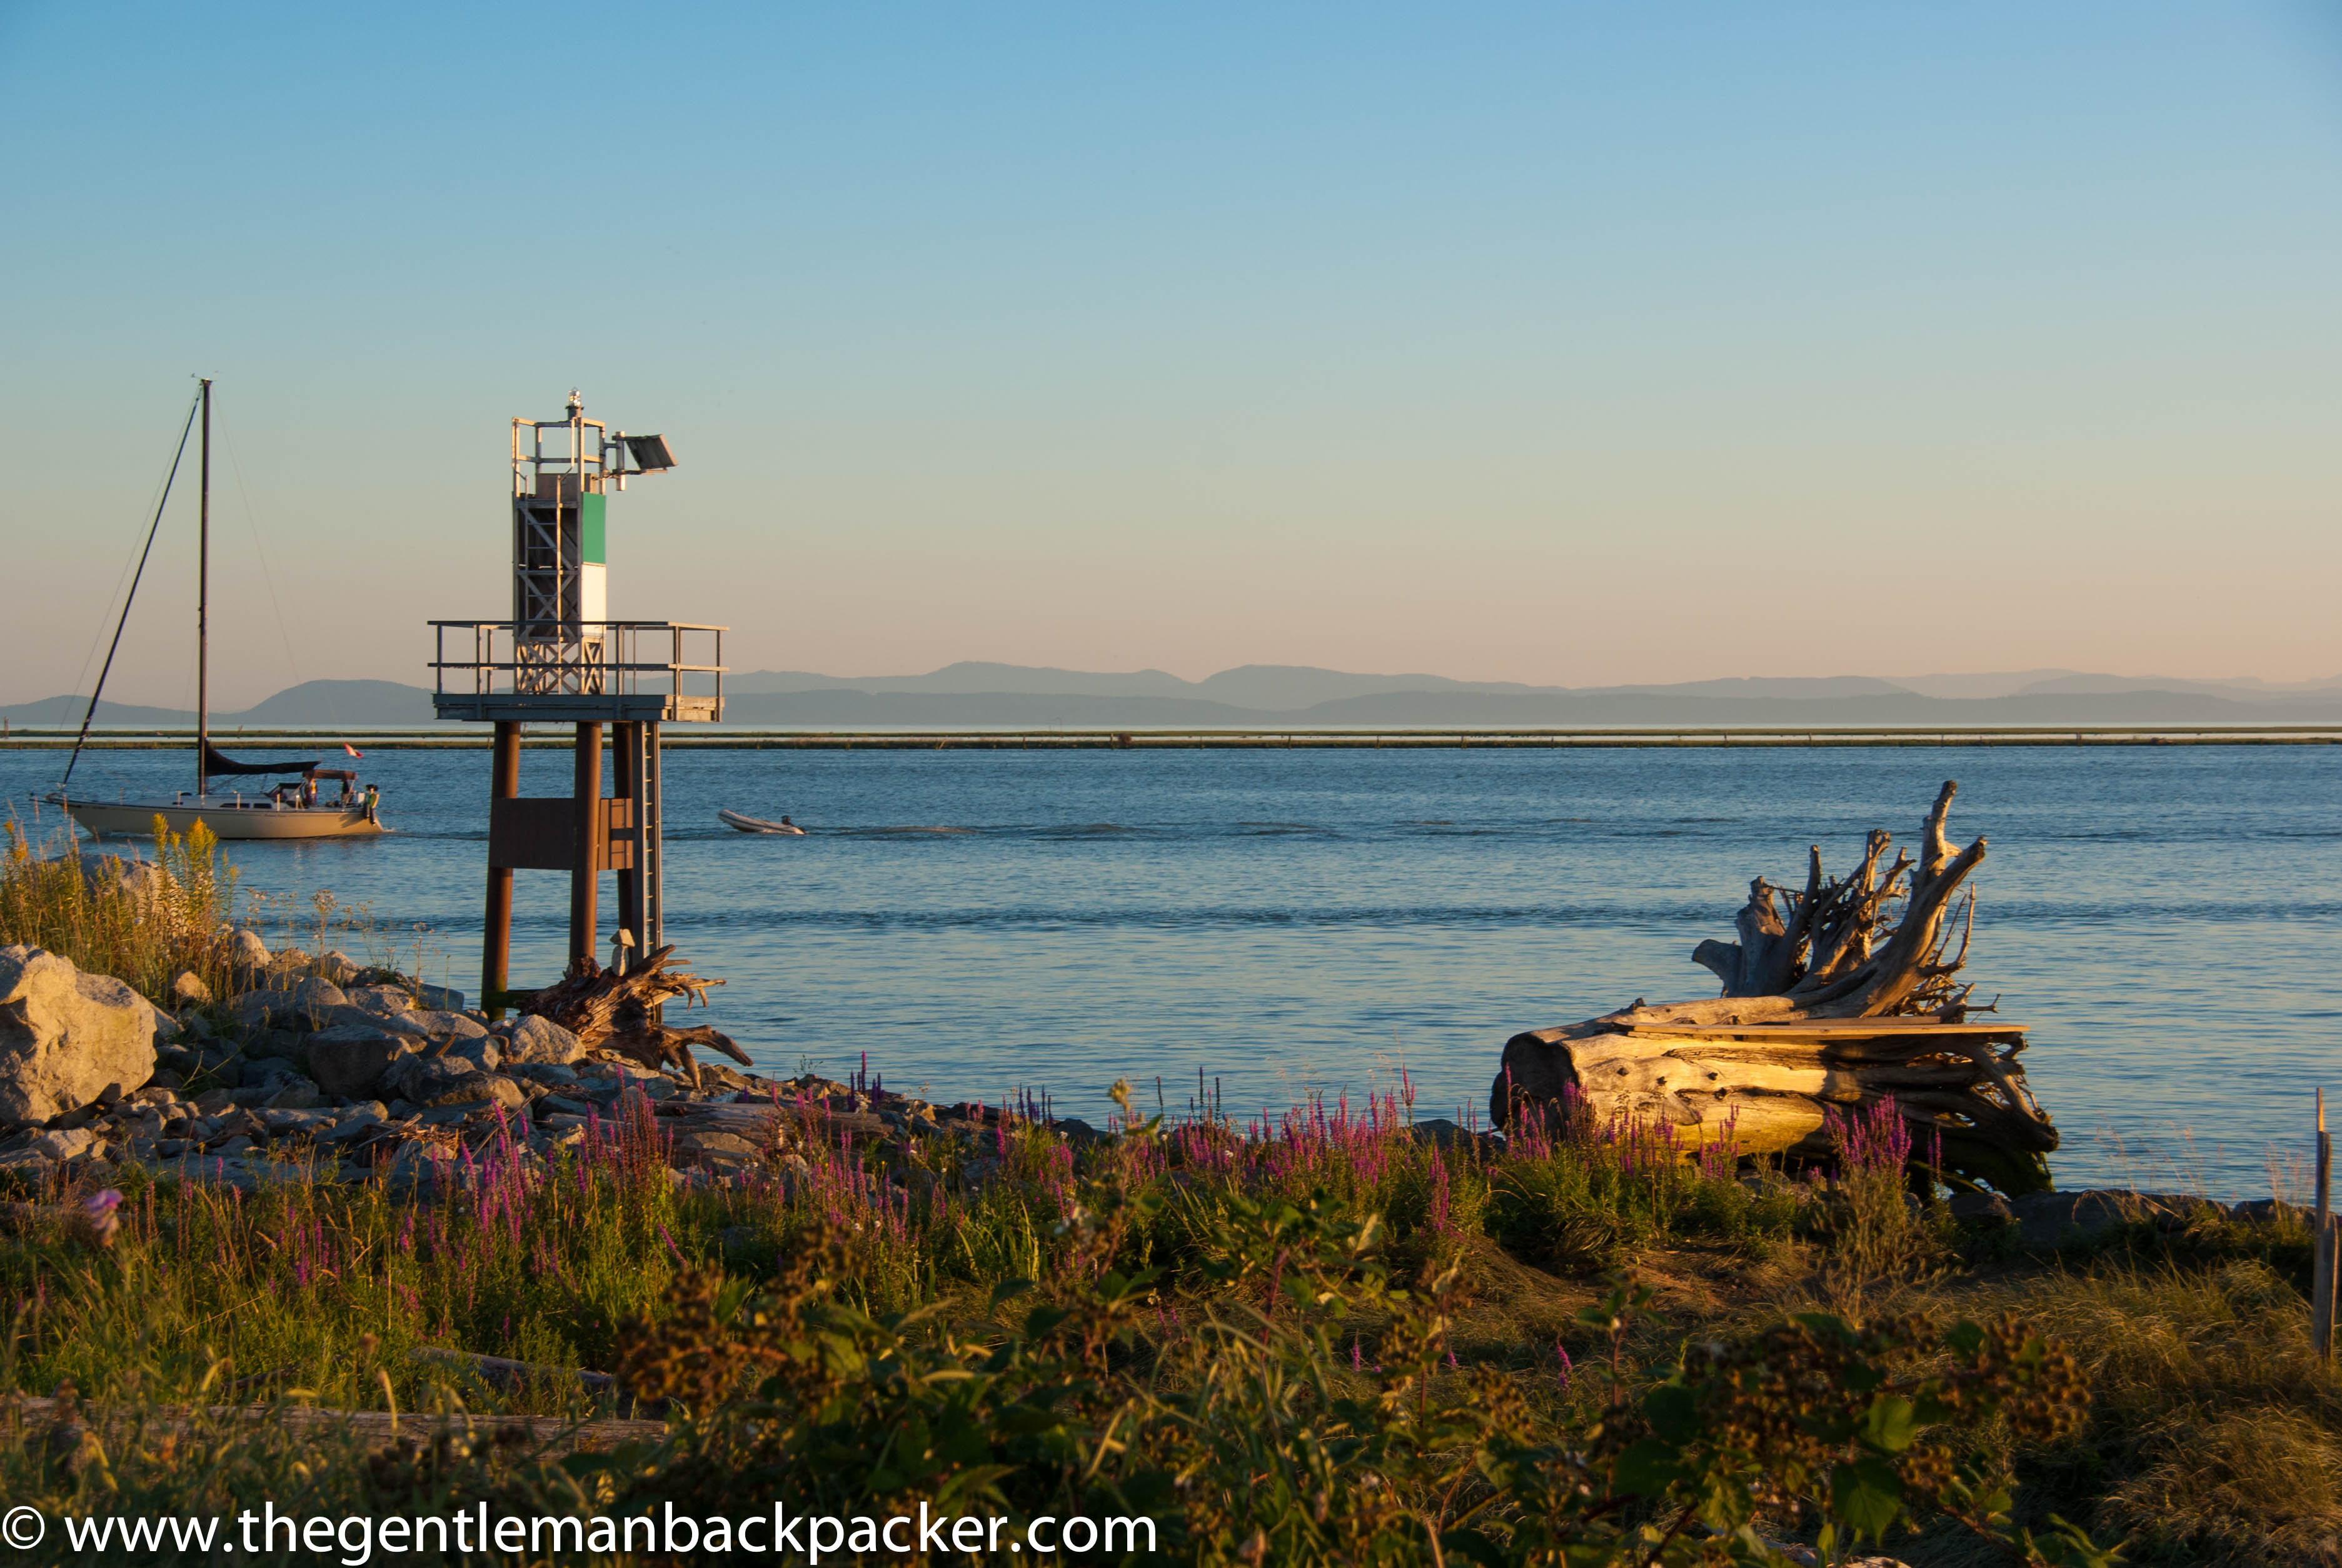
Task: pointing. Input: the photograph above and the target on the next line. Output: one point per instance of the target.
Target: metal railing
(581, 661)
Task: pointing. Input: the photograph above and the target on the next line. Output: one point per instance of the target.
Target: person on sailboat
(372, 795)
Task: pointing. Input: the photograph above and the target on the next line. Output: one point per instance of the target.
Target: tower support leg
(626, 758)
(583, 877)
(496, 945)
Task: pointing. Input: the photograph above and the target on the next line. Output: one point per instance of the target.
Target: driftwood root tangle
(1838, 996)
(619, 1011)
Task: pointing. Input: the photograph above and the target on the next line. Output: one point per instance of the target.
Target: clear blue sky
(1548, 343)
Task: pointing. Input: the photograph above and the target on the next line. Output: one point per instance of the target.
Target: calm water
(1286, 922)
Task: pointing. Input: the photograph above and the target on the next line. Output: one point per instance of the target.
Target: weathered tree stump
(619, 1011)
(1845, 997)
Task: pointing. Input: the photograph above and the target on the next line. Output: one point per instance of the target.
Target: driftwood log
(621, 1011)
(1840, 995)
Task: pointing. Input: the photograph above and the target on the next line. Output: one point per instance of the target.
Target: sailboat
(291, 809)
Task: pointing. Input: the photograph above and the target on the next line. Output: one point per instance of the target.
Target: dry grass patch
(2215, 1436)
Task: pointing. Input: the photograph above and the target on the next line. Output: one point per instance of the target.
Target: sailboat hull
(227, 817)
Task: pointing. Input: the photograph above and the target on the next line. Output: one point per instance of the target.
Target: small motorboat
(757, 824)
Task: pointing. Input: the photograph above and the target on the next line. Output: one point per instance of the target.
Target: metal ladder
(650, 852)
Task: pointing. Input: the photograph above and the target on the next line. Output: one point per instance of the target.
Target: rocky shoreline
(331, 1071)
(327, 1069)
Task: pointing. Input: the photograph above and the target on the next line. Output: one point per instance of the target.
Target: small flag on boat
(352, 750)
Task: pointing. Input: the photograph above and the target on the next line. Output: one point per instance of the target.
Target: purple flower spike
(98, 1212)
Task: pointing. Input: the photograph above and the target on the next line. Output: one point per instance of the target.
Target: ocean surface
(1286, 923)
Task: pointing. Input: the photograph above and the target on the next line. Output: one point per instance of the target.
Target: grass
(1354, 1328)
(143, 920)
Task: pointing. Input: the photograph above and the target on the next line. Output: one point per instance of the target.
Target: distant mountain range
(1011, 696)
(311, 704)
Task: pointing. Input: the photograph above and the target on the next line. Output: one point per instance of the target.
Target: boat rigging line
(127, 599)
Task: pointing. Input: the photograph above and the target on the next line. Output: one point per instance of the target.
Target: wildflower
(97, 1215)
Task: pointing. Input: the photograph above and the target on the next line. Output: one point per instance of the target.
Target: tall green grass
(141, 918)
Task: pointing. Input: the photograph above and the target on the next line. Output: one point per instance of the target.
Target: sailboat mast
(204, 612)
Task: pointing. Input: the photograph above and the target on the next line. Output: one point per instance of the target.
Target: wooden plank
(537, 833)
(1830, 1028)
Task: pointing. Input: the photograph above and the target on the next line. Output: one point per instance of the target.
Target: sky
(1553, 344)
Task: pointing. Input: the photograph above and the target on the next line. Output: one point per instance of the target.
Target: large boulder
(381, 999)
(313, 997)
(439, 1025)
(541, 1040)
(266, 1009)
(65, 1036)
(245, 951)
(337, 966)
(350, 1060)
(279, 1042)
(480, 1051)
(429, 1080)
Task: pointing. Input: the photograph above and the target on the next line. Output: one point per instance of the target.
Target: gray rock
(348, 1013)
(67, 1036)
(284, 1120)
(314, 996)
(432, 1080)
(553, 1073)
(279, 1044)
(234, 1145)
(439, 998)
(258, 1070)
(299, 1094)
(212, 1101)
(28, 1165)
(2265, 1210)
(480, 1051)
(187, 990)
(350, 1060)
(1440, 1130)
(717, 1148)
(246, 950)
(503, 1091)
(439, 1024)
(337, 966)
(541, 1041)
(381, 999)
(420, 1157)
(70, 1145)
(264, 1009)
(1989, 1208)
(352, 1123)
(2049, 1221)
